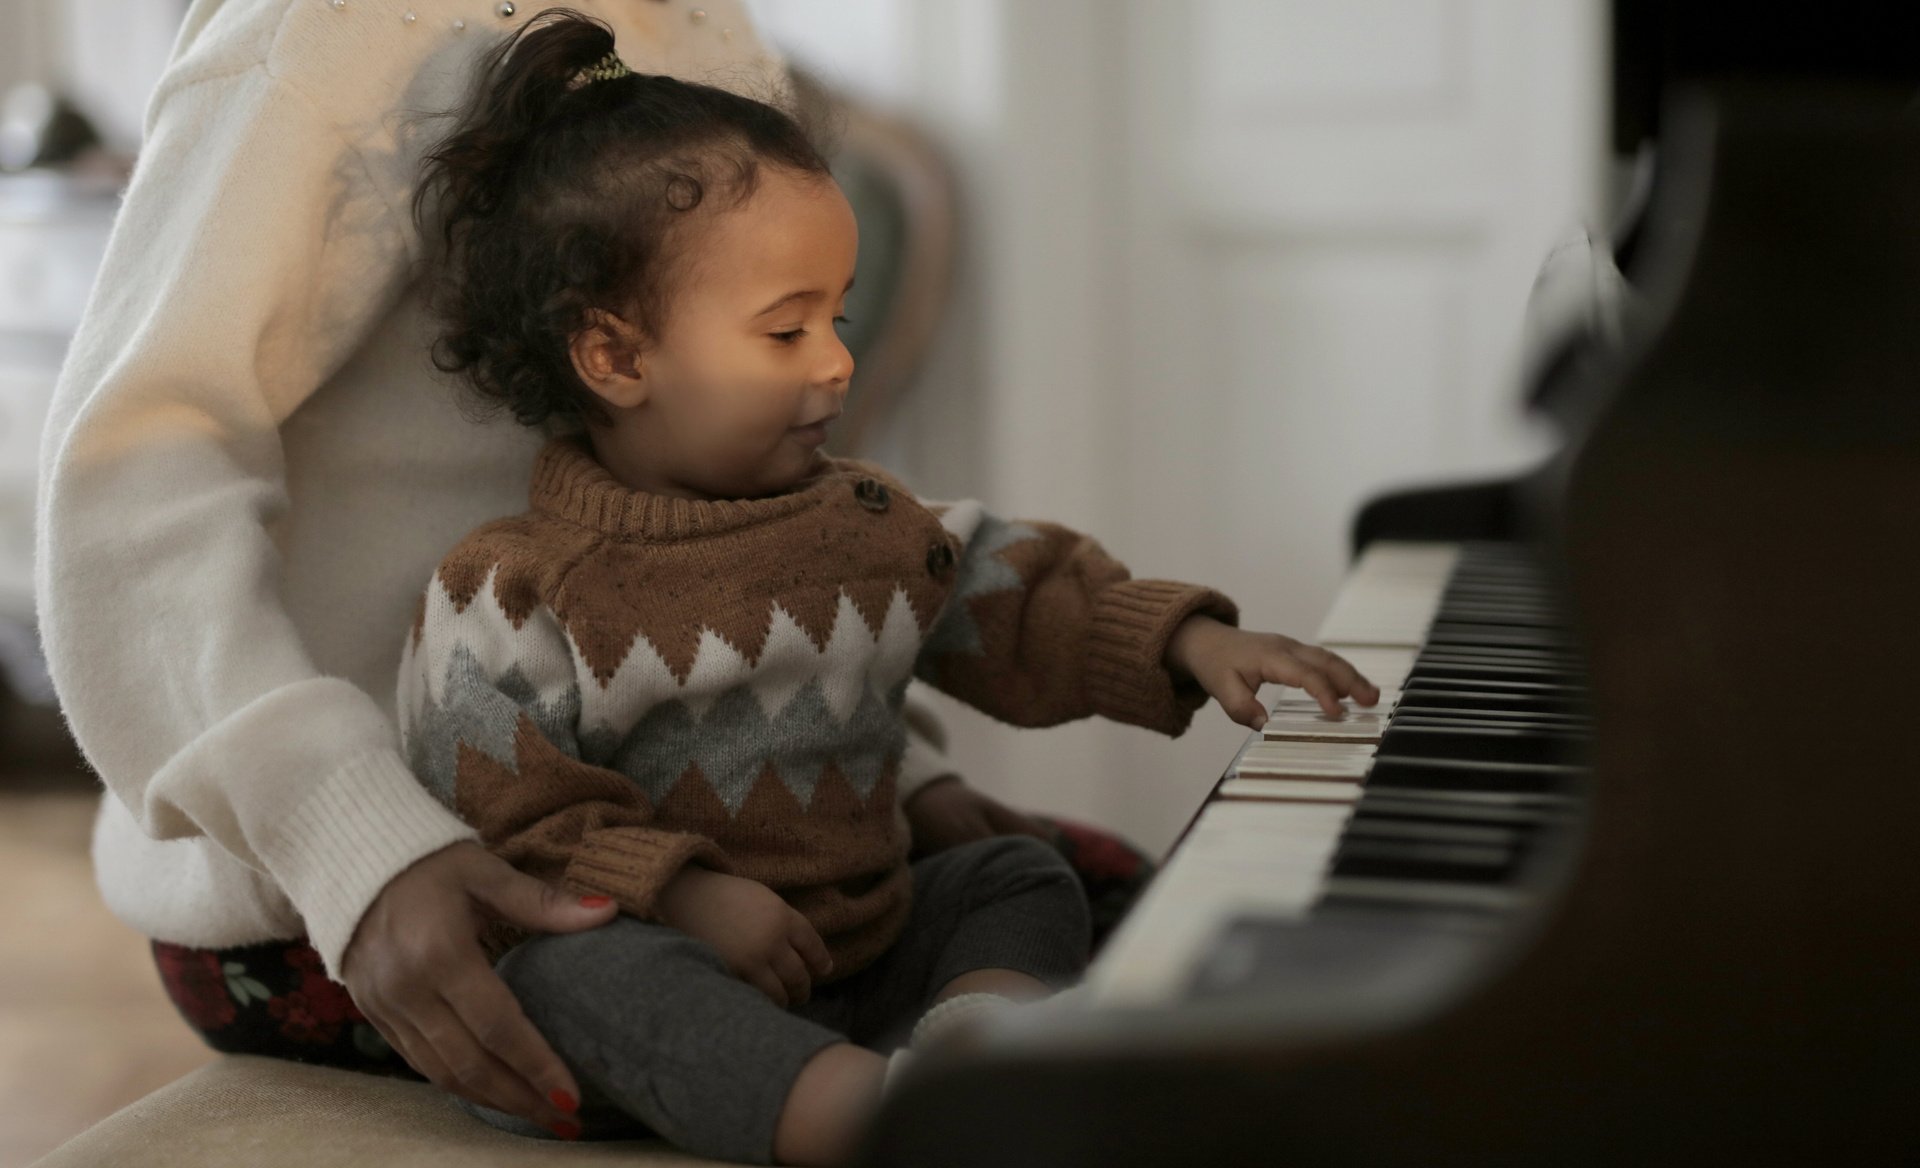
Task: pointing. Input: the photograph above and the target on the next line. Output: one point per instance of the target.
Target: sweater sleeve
(489, 712)
(1043, 627)
(251, 256)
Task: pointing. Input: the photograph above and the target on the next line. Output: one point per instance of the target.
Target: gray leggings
(663, 1038)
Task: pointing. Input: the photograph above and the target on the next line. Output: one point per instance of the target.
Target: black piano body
(1728, 968)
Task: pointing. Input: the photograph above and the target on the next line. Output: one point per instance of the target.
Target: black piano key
(1452, 633)
(1501, 616)
(1427, 715)
(1470, 776)
(1507, 651)
(1501, 651)
(1453, 807)
(1532, 673)
(1424, 863)
(1488, 744)
(1570, 690)
(1414, 697)
(1425, 829)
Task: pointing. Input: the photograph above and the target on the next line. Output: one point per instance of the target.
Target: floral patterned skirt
(275, 998)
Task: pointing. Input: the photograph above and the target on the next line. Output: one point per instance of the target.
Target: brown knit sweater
(615, 684)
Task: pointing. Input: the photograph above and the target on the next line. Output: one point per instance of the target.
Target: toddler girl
(676, 681)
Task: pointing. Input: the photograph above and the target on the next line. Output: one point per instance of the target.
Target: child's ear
(609, 357)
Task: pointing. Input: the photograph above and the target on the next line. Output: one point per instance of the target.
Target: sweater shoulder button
(873, 494)
(939, 559)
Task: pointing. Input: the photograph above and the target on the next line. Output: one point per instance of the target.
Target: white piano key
(1289, 698)
(1391, 595)
(1296, 725)
(1290, 790)
(1239, 858)
(1303, 760)
(1384, 666)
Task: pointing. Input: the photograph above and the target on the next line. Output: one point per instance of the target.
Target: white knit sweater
(250, 468)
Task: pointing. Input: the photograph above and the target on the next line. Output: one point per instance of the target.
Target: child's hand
(947, 812)
(1231, 664)
(765, 941)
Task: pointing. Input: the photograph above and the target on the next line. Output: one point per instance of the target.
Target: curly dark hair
(554, 199)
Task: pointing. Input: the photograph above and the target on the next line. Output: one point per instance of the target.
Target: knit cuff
(1127, 675)
(360, 827)
(633, 864)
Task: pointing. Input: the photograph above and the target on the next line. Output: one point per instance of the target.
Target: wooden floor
(84, 1026)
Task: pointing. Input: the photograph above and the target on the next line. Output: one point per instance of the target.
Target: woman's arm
(251, 257)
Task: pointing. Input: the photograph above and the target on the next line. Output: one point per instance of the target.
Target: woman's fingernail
(564, 1101)
(566, 1129)
(595, 901)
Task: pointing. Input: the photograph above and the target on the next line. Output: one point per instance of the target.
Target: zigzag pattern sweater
(615, 684)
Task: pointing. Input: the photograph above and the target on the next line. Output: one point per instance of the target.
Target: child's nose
(837, 368)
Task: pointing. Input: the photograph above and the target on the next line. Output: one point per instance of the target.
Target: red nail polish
(595, 901)
(566, 1129)
(564, 1101)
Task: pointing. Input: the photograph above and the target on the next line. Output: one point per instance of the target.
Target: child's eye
(792, 335)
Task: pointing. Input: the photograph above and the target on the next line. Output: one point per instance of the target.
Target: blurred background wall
(1227, 268)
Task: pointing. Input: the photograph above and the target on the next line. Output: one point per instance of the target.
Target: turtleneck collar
(570, 483)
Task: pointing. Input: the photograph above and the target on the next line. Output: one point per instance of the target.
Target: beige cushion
(242, 1111)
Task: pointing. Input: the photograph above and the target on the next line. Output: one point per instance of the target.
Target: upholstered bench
(245, 1112)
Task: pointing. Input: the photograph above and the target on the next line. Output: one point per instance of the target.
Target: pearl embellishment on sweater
(506, 8)
(409, 18)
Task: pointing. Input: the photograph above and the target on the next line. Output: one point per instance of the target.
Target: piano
(1624, 867)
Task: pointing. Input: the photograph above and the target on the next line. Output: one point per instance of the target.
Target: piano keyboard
(1392, 834)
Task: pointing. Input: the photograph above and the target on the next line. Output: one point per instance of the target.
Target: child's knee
(1020, 859)
(1020, 867)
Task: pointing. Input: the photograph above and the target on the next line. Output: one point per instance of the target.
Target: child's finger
(1291, 669)
(806, 942)
(792, 972)
(1346, 679)
(763, 979)
(1239, 700)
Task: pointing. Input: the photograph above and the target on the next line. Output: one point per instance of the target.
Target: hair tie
(607, 68)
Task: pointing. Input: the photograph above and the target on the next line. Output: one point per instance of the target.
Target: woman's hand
(947, 812)
(765, 941)
(416, 970)
(1232, 664)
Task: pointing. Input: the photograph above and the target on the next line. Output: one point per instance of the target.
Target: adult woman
(249, 469)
